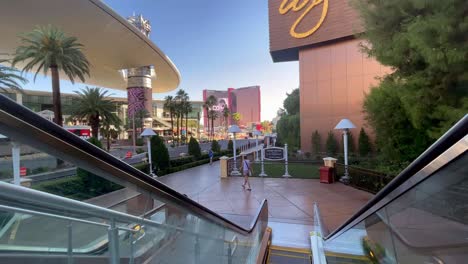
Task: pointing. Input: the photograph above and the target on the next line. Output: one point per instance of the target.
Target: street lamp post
(148, 133)
(234, 129)
(256, 133)
(345, 125)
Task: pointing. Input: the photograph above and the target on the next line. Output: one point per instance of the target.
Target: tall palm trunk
(94, 120)
(57, 104)
(181, 125)
(186, 127)
(178, 134)
(172, 126)
(212, 128)
(108, 139)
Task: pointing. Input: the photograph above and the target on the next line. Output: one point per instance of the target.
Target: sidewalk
(289, 200)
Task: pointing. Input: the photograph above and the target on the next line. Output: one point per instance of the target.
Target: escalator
(156, 225)
(419, 217)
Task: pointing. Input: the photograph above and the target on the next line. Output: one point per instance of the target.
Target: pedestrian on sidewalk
(246, 171)
(211, 154)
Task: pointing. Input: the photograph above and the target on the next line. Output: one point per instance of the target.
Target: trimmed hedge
(184, 163)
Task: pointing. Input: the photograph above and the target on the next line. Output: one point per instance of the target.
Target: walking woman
(246, 171)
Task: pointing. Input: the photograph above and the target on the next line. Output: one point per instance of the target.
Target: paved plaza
(289, 200)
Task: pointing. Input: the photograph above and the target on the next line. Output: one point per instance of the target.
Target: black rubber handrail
(24, 121)
(455, 134)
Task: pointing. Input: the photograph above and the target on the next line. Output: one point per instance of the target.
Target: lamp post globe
(234, 129)
(345, 125)
(148, 133)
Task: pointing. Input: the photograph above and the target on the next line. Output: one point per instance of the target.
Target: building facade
(245, 101)
(334, 74)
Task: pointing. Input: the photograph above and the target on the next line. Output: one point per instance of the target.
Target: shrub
(181, 161)
(331, 144)
(230, 146)
(159, 153)
(215, 147)
(194, 148)
(139, 142)
(364, 143)
(92, 183)
(316, 143)
(139, 151)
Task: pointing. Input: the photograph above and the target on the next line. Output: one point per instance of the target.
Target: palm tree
(92, 105)
(182, 99)
(188, 108)
(9, 78)
(213, 115)
(209, 103)
(226, 114)
(48, 48)
(169, 106)
(110, 126)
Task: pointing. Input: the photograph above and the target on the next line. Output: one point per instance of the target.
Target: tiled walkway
(289, 200)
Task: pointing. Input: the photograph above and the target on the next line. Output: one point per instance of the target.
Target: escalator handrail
(24, 119)
(451, 137)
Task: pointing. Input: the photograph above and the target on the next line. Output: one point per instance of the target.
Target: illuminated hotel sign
(304, 6)
(295, 24)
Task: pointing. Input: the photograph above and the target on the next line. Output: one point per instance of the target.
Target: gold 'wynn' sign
(298, 5)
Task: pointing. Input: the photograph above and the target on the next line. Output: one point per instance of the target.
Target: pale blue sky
(214, 44)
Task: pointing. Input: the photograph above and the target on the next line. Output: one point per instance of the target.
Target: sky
(214, 44)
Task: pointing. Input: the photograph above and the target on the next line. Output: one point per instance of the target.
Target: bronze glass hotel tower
(334, 73)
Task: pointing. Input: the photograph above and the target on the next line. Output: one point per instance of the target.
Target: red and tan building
(246, 101)
(334, 74)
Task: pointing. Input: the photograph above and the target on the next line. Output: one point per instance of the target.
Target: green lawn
(296, 170)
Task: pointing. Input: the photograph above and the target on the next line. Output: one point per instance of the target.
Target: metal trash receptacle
(326, 175)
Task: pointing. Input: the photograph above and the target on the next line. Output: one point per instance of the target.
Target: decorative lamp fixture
(148, 133)
(345, 125)
(234, 129)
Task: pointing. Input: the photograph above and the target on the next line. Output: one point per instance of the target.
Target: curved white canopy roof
(110, 42)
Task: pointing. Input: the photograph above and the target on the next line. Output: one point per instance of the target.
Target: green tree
(215, 147)
(332, 144)
(316, 143)
(226, 114)
(9, 77)
(237, 117)
(364, 143)
(194, 148)
(94, 106)
(230, 145)
(159, 153)
(210, 102)
(288, 127)
(424, 42)
(48, 48)
(291, 103)
(187, 108)
(169, 106)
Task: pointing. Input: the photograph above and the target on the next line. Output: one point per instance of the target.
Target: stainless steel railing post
(113, 234)
(70, 242)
